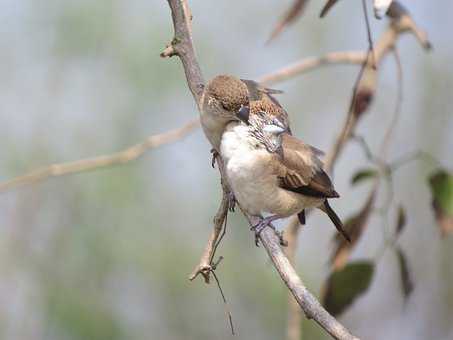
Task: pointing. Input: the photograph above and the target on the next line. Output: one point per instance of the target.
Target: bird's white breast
(252, 177)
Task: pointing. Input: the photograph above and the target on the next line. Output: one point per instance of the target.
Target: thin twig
(294, 329)
(90, 164)
(386, 43)
(307, 301)
(225, 303)
(368, 31)
(311, 63)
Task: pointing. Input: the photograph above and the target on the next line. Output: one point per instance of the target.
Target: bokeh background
(106, 254)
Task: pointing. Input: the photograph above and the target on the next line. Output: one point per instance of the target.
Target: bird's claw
(215, 154)
(231, 202)
(257, 229)
(260, 226)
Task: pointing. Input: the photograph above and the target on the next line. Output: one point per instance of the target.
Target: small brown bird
(225, 96)
(272, 172)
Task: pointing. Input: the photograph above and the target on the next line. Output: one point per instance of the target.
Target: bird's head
(225, 96)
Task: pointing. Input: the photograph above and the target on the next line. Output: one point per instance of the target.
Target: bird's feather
(300, 170)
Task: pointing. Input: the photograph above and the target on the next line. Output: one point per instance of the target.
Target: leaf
(327, 7)
(354, 226)
(346, 285)
(290, 16)
(401, 221)
(381, 7)
(407, 284)
(362, 175)
(441, 183)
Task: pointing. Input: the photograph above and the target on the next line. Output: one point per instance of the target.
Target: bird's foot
(231, 202)
(215, 154)
(266, 222)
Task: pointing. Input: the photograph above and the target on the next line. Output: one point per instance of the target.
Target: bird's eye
(244, 114)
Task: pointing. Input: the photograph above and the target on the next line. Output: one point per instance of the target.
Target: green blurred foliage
(346, 285)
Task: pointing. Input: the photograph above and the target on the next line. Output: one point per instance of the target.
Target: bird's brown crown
(230, 91)
(266, 106)
(271, 109)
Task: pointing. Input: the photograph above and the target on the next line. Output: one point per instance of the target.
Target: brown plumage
(287, 170)
(267, 106)
(230, 91)
(302, 170)
(222, 99)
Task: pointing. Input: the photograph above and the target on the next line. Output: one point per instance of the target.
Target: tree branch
(401, 22)
(182, 46)
(90, 164)
(311, 63)
(309, 304)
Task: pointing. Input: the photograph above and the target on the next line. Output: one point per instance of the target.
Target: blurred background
(106, 254)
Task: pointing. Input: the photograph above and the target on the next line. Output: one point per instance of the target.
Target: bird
(272, 172)
(225, 96)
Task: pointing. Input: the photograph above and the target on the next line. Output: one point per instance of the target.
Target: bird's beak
(243, 114)
(274, 129)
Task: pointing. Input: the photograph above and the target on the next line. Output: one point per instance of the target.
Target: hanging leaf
(327, 7)
(401, 221)
(346, 285)
(362, 175)
(354, 226)
(441, 183)
(290, 16)
(397, 12)
(407, 285)
(381, 7)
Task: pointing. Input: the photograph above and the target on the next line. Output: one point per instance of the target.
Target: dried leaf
(407, 284)
(346, 285)
(398, 12)
(290, 16)
(354, 226)
(327, 7)
(362, 175)
(401, 221)
(441, 183)
(381, 7)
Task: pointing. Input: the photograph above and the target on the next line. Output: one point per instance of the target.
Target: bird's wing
(300, 170)
(270, 109)
(257, 91)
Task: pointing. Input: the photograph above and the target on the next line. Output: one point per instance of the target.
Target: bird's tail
(335, 219)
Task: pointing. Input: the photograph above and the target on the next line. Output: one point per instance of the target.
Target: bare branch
(205, 267)
(309, 304)
(312, 63)
(296, 10)
(294, 329)
(401, 22)
(312, 308)
(90, 164)
(182, 46)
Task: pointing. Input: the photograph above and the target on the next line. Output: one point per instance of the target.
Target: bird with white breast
(271, 172)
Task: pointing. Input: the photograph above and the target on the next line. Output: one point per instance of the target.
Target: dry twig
(182, 46)
(401, 22)
(90, 164)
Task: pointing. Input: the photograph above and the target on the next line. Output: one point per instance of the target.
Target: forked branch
(182, 46)
(95, 163)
